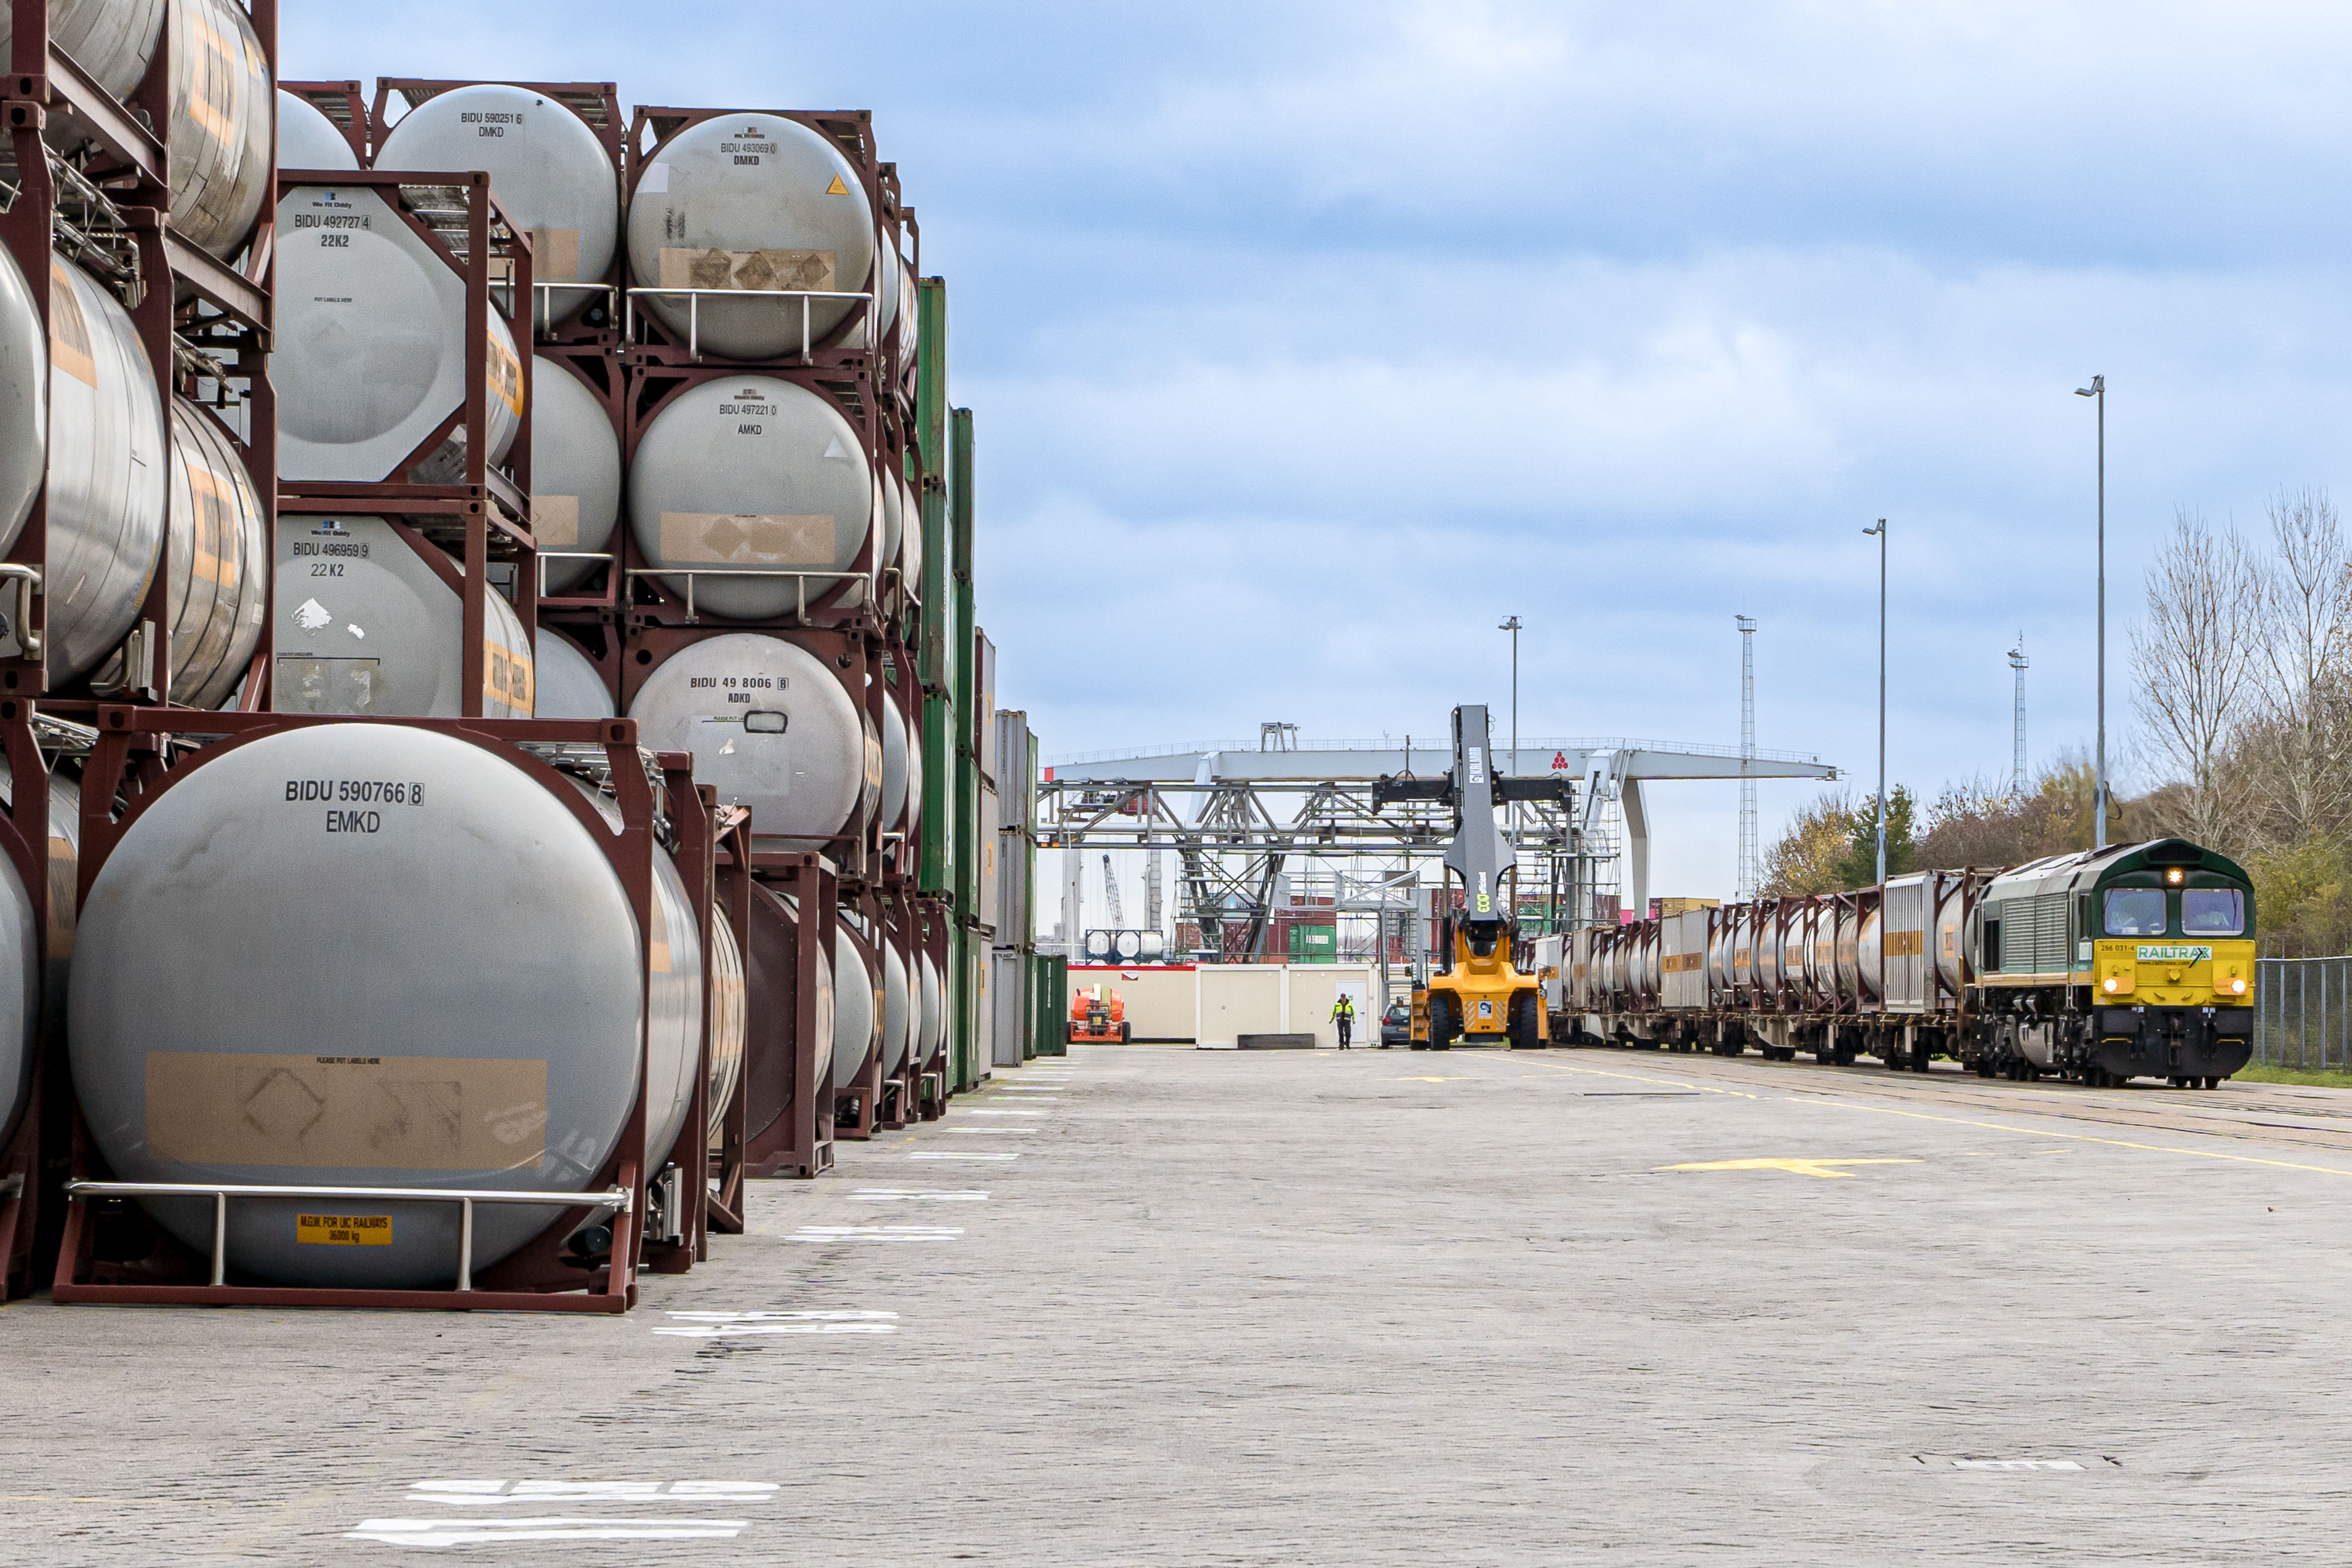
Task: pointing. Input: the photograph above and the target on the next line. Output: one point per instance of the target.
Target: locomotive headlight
(2173, 876)
(2237, 987)
(2114, 986)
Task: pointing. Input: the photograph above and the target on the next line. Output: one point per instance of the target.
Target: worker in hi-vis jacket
(1343, 1015)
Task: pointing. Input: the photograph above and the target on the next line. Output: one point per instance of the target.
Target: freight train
(2134, 961)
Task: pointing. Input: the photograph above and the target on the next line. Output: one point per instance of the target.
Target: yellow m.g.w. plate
(344, 1229)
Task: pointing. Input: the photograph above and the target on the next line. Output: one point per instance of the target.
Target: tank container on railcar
(308, 139)
(751, 474)
(28, 994)
(575, 473)
(435, 985)
(750, 202)
(24, 400)
(771, 728)
(220, 576)
(108, 473)
(1903, 942)
(365, 624)
(1951, 930)
(564, 683)
(547, 168)
(371, 345)
(221, 100)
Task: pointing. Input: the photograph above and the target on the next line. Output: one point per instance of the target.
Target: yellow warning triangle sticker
(836, 188)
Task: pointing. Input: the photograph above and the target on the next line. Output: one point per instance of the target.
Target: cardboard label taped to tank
(555, 521)
(554, 255)
(684, 267)
(747, 539)
(415, 1114)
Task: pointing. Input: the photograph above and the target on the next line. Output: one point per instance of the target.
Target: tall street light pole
(1881, 531)
(1512, 627)
(2098, 390)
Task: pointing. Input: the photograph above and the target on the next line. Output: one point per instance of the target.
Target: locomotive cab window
(2212, 911)
(2135, 911)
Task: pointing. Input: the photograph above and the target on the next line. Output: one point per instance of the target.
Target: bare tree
(2197, 655)
(2299, 775)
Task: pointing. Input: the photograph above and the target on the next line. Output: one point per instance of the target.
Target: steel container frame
(135, 756)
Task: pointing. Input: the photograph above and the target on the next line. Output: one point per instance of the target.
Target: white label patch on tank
(836, 451)
(310, 615)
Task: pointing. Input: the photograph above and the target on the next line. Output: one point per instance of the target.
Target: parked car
(1396, 1025)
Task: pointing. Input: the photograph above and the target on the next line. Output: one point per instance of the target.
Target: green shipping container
(1314, 944)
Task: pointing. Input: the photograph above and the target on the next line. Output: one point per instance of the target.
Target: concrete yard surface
(1158, 1305)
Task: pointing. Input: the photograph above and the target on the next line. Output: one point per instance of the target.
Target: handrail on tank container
(615, 1199)
(18, 627)
(801, 583)
(693, 298)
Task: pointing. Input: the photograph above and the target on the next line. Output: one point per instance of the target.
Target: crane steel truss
(1238, 813)
(1233, 837)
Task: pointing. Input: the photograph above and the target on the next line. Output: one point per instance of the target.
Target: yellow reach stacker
(1479, 993)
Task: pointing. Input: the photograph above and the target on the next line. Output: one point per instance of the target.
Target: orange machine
(1097, 1017)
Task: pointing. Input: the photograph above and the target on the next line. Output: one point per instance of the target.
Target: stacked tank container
(135, 431)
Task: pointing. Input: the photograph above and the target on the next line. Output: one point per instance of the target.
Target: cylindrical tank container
(932, 1010)
(915, 769)
(220, 153)
(565, 685)
(910, 541)
(1743, 949)
(308, 139)
(769, 727)
(1950, 902)
(108, 472)
(366, 624)
(371, 345)
(856, 1018)
(750, 202)
(770, 1074)
(200, 1043)
(889, 505)
(24, 400)
(1867, 959)
(111, 41)
(27, 992)
(894, 766)
(220, 548)
(750, 475)
(728, 1002)
(575, 471)
(547, 168)
(1719, 957)
(1652, 961)
(1848, 956)
(897, 1021)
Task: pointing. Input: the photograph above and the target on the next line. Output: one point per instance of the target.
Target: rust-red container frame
(129, 762)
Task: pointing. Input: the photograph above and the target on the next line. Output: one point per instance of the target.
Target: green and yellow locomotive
(2135, 961)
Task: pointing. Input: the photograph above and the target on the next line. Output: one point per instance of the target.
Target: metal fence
(2303, 1012)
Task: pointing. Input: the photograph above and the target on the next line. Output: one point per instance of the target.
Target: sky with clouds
(1308, 341)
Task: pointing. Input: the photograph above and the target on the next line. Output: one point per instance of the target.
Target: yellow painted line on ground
(1798, 1167)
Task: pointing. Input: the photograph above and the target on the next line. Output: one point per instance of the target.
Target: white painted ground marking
(876, 1233)
(911, 1195)
(476, 1494)
(726, 1325)
(2015, 1465)
(439, 1533)
(960, 1154)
